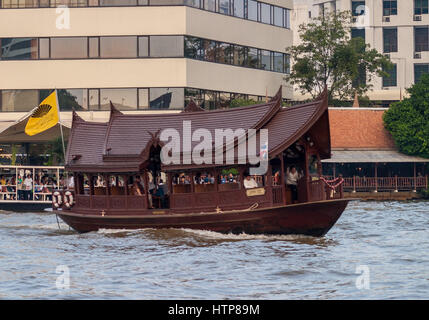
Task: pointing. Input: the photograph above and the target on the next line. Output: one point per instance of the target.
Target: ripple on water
(389, 238)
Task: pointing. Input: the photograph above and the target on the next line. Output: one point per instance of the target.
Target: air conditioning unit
(386, 19)
(417, 55)
(417, 18)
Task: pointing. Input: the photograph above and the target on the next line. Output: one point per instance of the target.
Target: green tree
(328, 56)
(408, 120)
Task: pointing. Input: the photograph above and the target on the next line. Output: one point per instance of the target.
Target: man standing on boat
(292, 178)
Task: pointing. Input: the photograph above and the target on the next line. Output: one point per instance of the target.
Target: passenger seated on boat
(250, 183)
(138, 189)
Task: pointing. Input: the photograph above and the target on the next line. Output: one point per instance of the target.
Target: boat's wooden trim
(178, 215)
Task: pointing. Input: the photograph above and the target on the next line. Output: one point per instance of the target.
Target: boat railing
(13, 189)
(395, 183)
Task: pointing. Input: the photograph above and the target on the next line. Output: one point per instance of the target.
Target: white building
(398, 28)
(143, 55)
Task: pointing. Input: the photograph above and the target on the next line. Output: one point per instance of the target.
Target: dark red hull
(313, 219)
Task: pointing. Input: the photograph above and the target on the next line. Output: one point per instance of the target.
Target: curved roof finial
(113, 109)
(76, 117)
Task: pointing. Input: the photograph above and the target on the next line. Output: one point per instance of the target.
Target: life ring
(57, 199)
(68, 199)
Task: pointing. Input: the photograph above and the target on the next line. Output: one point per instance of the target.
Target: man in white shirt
(28, 185)
(250, 183)
(292, 178)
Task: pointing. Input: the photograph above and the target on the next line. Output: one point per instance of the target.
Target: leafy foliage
(328, 56)
(408, 120)
(241, 102)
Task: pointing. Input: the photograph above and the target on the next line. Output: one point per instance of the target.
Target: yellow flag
(44, 117)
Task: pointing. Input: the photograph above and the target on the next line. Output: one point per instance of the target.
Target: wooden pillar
(415, 179)
(396, 183)
(354, 184)
(376, 177)
(146, 187)
(192, 182)
(91, 184)
(282, 177)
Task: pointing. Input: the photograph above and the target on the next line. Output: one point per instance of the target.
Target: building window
(143, 98)
(265, 13)
(420, 7)
(69, 48)
(358, 33)
(239, 8)
(239, 55)
(421, 39)
(419, 70)
(390, 40)
(252, 10)
(358, 8)
(94, 47)
(123, 99)
(68, 3)
(18, 48)
(390, 7)
(224, 53)
(193, 3)
(19, 100)
(44, 48)
(391, 80)
(166, 46)
(213, 51)
(253, 59)
(113, 3)
(118, 47)
(224, 7)
(278, 62)
(166, 98)
(266, 60)
(278, 16)
(210, 5)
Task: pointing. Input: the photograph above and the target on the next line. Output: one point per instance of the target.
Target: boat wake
(209, 235)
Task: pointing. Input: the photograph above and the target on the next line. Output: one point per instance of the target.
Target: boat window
(182, 183)
(313, 165)
(255, 181)
(99, 185)
(229, 179)
(204, 182)
(116, 185)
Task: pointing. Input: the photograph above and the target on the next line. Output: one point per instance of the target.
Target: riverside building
(143, 55)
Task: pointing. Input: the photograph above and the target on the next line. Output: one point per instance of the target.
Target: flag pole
(61, 126)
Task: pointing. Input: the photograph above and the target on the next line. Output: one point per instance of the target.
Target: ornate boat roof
(123, 143)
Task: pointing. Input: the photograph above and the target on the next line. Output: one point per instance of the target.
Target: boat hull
(313, 219)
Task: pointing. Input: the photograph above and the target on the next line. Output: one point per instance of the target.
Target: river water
(377, 250)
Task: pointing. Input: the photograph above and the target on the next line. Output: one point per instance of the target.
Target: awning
(359, 156)
(14, 132)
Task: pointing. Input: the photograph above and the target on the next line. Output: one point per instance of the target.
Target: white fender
(68, 199)
(57, 200)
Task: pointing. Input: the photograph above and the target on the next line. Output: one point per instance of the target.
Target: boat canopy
(124, 143)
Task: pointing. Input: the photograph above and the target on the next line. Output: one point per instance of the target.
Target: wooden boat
(119, 174)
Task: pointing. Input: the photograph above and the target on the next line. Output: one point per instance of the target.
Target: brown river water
(377, 250)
